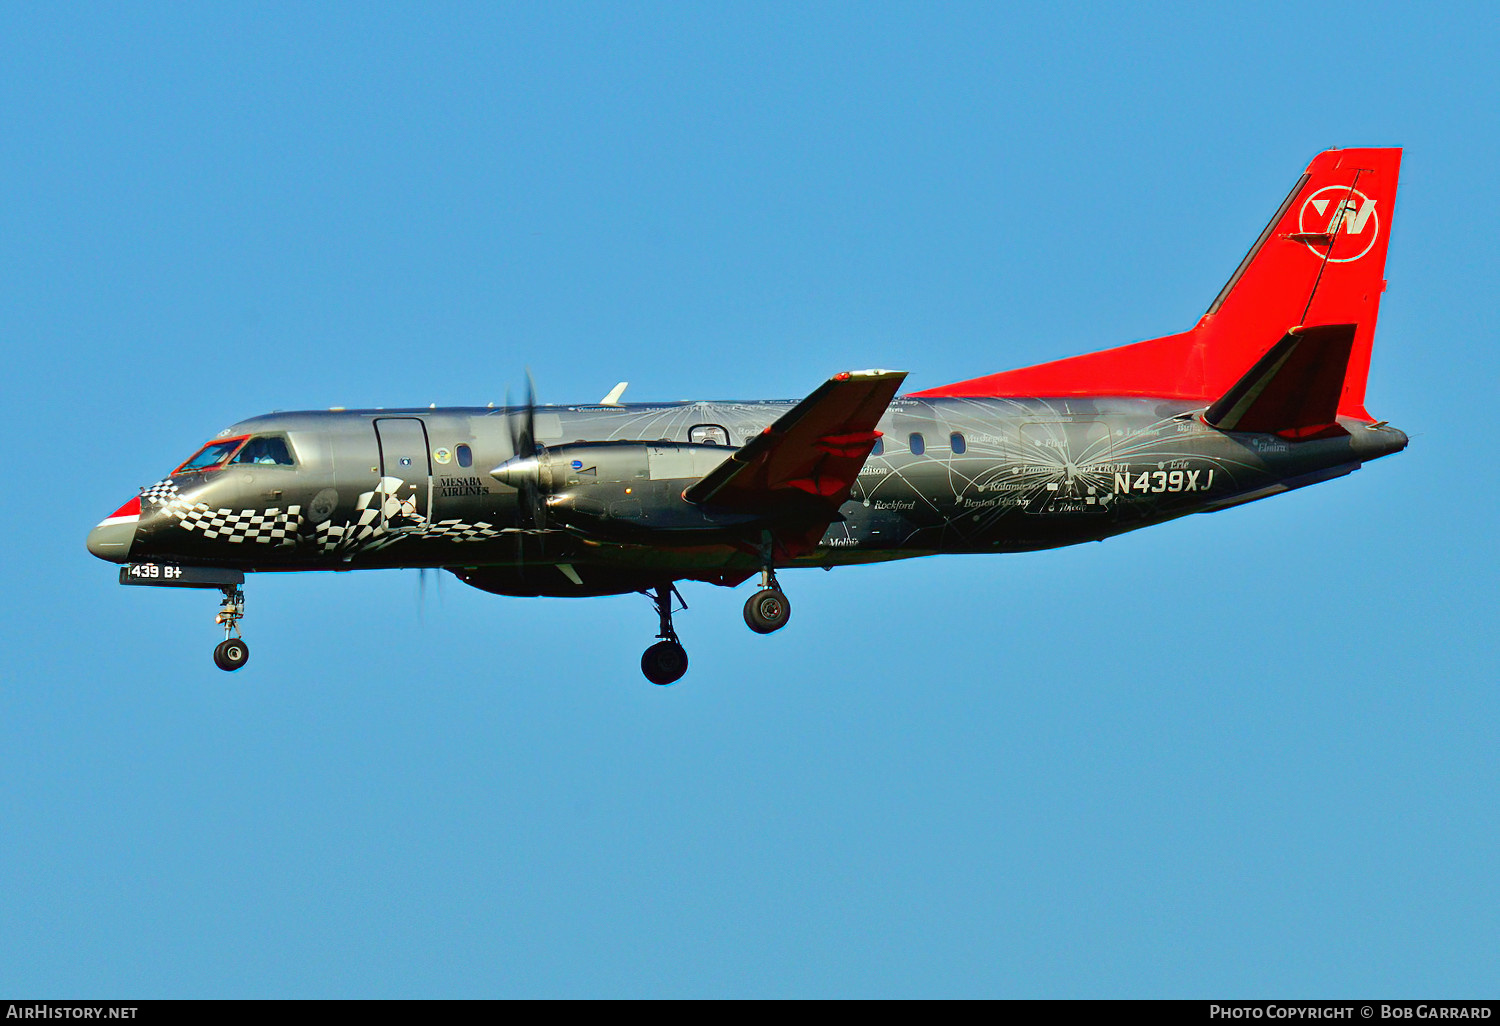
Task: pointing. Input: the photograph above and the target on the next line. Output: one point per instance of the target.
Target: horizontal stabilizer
(1293, 390)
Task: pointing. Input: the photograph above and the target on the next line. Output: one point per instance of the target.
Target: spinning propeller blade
(523, 474)
(522, 426)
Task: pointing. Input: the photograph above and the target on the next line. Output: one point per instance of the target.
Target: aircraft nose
(112, 538)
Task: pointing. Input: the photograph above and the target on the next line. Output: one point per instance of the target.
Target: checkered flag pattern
(372, 513)
(364, 532)
(381, 517)
(261, 527)
(457, 530)
(161, 493)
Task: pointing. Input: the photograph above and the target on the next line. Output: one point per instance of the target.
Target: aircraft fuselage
(413, 488)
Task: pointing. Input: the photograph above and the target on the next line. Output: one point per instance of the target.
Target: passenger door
(405, 471)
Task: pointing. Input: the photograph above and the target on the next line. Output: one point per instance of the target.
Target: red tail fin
(1321, 260)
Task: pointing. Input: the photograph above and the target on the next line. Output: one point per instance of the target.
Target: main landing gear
(666, 661)
(769, 609)
(232, 652)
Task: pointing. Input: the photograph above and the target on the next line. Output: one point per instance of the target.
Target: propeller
(522, 471)
(521, 421)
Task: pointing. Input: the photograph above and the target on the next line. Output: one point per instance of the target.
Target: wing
(804, 464)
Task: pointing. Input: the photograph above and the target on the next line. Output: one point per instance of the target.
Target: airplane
(1266, 393)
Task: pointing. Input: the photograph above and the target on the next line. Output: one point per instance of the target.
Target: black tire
(767, 610)
(664, 662)
(231, 655)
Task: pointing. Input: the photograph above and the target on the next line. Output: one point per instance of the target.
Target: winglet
(613, 399)
(1294, 389)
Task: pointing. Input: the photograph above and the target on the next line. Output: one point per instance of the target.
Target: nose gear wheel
(231, 653)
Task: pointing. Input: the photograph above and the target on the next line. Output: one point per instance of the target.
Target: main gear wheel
(664, 662)
(767, 611)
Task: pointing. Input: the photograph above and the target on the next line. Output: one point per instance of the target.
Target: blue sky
(1244, 754)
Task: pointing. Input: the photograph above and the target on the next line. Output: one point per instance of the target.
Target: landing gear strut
(768, 609)
(666, 661)
(232, 652)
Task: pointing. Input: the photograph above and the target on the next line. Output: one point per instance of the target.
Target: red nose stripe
(125, 514)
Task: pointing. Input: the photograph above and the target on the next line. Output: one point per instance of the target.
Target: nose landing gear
(231, 653)
(769, 609)
(666, 661)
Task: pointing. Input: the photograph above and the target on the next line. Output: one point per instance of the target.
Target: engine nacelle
(624, 489)
(557, 467)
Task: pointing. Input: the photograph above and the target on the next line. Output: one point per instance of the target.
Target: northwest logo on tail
(1334, 209)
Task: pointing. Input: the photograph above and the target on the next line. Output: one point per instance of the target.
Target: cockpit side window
(265, 449)
(211, 455)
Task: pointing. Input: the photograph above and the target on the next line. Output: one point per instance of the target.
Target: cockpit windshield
(266, 450)
(211, 455)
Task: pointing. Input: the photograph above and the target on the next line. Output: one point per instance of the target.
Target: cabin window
(211, 455)
(916, 444)
(957, 443)
(266, 449)
(465, 455)
(879, 448)
(708, 434)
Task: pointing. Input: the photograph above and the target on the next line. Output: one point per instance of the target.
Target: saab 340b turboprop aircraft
(1266, 393)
